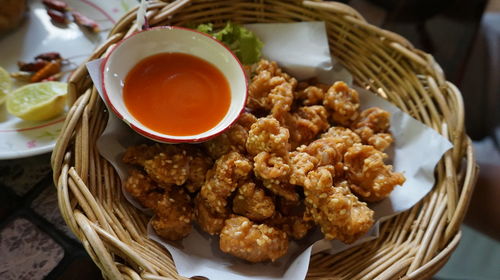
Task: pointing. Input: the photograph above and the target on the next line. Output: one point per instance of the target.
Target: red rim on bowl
(167, 139)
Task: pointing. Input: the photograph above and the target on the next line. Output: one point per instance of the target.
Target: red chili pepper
(32, 66)
(55, 77)
(86, 22)
(57, 16)
(50, 69)
(48, 56)
(56, 5)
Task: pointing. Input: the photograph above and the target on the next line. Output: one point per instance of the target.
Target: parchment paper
(416, 151)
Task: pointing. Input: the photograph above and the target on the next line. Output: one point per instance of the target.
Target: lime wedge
(38, 101)
(5, 84)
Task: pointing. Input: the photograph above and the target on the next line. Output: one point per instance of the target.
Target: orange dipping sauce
(176, 94)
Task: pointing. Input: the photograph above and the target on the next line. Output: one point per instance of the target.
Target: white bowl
(156, 40)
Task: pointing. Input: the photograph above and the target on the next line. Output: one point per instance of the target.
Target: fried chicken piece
(372, 179)
(266, 135)
(246, 120)
(252, 202)
(281, 97)
(317, 115)
(274, 171)
(242, 238)
(301, 163)
(325, 150)
(228, 171)
(209, 222)
(378, 120)
(198, 168)
(142, 188)
(335, 209)
(343, 103)
(271, 166)
(345, 137)
(169, 168)
(294, 226)
(305, 124)
(281, 188)
(290, 218)
(233, 140)
(373, 127)
(174, 214)
(270, 89)
(137, 155)
(380, 141)
(311, 95)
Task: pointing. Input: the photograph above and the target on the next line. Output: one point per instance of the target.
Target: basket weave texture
(413, 245)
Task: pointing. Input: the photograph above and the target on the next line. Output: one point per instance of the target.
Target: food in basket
(302, 156)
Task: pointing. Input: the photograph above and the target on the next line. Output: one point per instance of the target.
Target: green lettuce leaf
(240, 40)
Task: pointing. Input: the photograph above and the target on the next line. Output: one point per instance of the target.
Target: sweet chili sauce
(176, 94)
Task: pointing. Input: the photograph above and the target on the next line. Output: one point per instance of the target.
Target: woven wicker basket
(412, 245)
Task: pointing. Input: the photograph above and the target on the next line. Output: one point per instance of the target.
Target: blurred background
(464, 38)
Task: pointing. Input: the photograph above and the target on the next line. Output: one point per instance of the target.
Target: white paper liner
(416, 151)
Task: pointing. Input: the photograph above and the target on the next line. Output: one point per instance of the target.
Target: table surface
(36, 244)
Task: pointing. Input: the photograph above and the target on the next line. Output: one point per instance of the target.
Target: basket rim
(71, 163)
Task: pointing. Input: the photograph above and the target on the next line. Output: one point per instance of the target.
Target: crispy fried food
(137, 155)
(270, 89)
(378, 120)
(198, 168)
(266, 135)
(294, 226)
(373, 128)
(372, 179)
(380, 141)
(172, 168)
(274, 172)
(343, 102)
(325, 150)
(271, 166)
(301, 163)
(242, 238)
(233, 140)
(290, 218)
(311, 95)
(209, 222)
(316, 115)
(280, 188)
(142, 188)
(335, 209)
(305, 124)
(228, 171)
(171, 164)
(345, 137)
(174, 214)
(281, 97)
(246, 120)
(252, 202)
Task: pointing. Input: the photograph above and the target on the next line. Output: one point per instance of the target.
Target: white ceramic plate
(37, 34)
